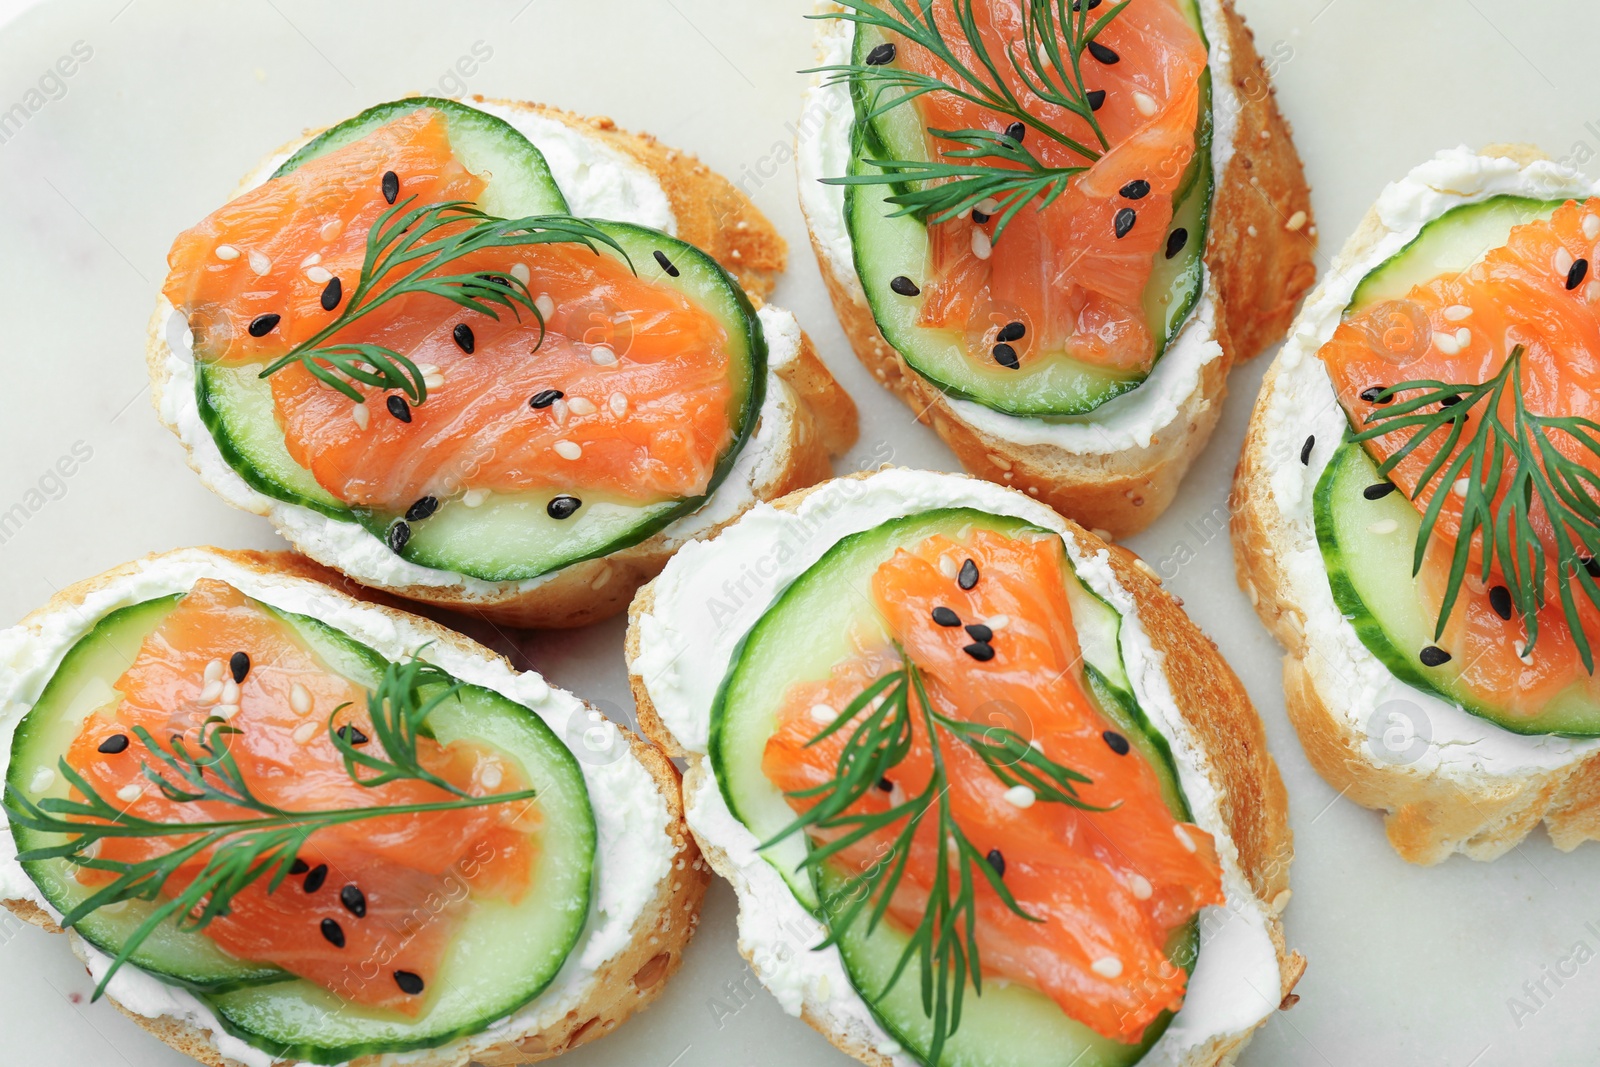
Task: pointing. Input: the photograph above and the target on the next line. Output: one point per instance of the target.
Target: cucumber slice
(509, 536)
(886, 247)
(806, 631)
(1373, 586)
(503, 954)
(1448, 244)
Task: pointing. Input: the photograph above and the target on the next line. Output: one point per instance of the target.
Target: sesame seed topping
(1463, 336)
(1383, 526)
(544, 398)
(1563, 261)
(227, 253)
(880, 55)
(980, 651)
(1373, 394)
(968, 577)
(462, 335)
(945, 617)
(315, 877)
(1020, 796)
(424, 507)
(665, 263)
(1102, 53)
(239, 665)
(603, 356)
(225, 710)
(823, 713)
(114, 744)
(1446, 343)
(211, 691)
(1006, 356)
(332, 932)
(1124, 221)
(262, 325)
(129, 793)
(1096, 98)
(568, 449)
(331, 229)
(1011, 331)
(1500, 601)
(1107, 967)
(1591, 227)
(997, 861)
(904, 286)
(398, 535)
(311, 261)
(304, 732)
(998, 622)
(1456, 312)
(1140, 887)
(982, 247)
(391, 185)
(352, 735)
(1137, 189)
(1378, 490)
(319, 274)
(1433, 656)
(1016, 131)
(546, 306)
(580, 406)
(948, 565)
(618, 404)
(1184, 839)
(300, 699)
(214, 670)
(332, 294)
(1297, 220)
(361, 413)
(885, 785)
(1115, 742)
(562, 507)
(230, 692)
(1176, 240)
(1145, 103)
(473, 498)
(43, 779)
(398, 407)
(1575, 276)
(409, 982)
(1305, 450)
(492, 776)
(979, 632)
(259, 263)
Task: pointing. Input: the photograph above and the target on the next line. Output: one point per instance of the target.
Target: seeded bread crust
(1257, 267)
(1428, 816)
(1251, 794)
(624, 985)
(712, 215)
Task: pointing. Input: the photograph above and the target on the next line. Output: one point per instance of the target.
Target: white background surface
(1407, 965)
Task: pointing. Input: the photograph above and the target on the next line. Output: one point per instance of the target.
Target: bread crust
(1252, 798)
(716, 217)
(1428, 816)
(1258, 267)
(624, 985)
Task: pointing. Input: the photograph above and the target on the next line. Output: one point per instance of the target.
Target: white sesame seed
(560, 412)
(1036, 744)
(225, 711)
(602, 578)
(211, 691)
(331, 229)
(1252, 231)
(300, 699)
(304, 732)
(1184, 839)
(823, 713)
(320, 275)
(361, 414)
(988, 206)
(581, 406)
(1461, 487)
(546, 306)
(948, 565)
(1464, 336)
(982, 247)
(214, 670)
(433, 381)
(474, 497)
(1591, 227)
(259, 263)
(521, 273)
(311, 261)
(619, 404)
(1563, 261)
(1020, 796)
(43, 779)
(129, 793)
(1107, 967)
(568, 449)
(1281, 901)
(1384, 526)
(1145, 103)
(227, 252)
(492, 776)
(427, 368)
(1297, 220)
(230, 692)
(999, 461)
(1140, 886)
(1446, 343)
(602, 355)
(1522, 653)
(1457, 312)
(1591, 292)
(997, 622)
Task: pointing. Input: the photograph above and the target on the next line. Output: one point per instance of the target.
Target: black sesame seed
(408, 982)
(333, 933)
(332, 293)
(880, 55)
(391, 185)
(299, 866)
(1103, 54)
(945, 617)
(1433, 656)
(1016, 131)
(1176, 240)
(398, 535)
(314, 880)
(1137, 189)
(1500, 601)
(398, 407)
(354, 900)
(563, 507)
(979, 632)
(262, 325)
(1077, 5)
(422, 509)
(463, 338)
(1450, 401)
(1097, 99)
(967, 577)
(1115, 742)
(1006, 356)
(1576, 273)
(886, 785)
(1373, 394)
(114, 744)
(979, 651)
(666, 264)
(997, 861)
(352, 734)
(904, 286)
(979, 217)
(544, 398)
(1378, 490)
(1591, 565)
(1011, 331)
(1123, 222)
(1305, 450)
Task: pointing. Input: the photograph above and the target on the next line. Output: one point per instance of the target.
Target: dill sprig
(944, 943)
(240, 851)
(1048, 61)
(416, 241)
(1509, 470)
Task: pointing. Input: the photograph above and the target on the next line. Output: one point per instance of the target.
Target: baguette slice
(1473, 787)
(1258, 263)
(574, 1009)
(807, 418)
(1224, 737)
